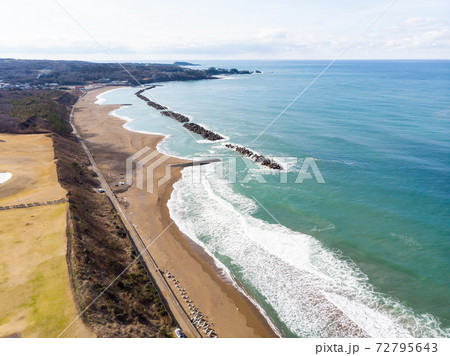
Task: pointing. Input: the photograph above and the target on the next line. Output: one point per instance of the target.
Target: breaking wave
(303, 286)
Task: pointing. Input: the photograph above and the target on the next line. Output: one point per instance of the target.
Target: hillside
(43, 72)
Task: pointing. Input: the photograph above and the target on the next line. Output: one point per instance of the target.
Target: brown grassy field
(30, 158)
(35, 294)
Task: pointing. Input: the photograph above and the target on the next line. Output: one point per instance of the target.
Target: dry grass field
(30, 159)
(35, 294)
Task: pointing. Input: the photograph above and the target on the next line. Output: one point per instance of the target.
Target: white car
(179, 333)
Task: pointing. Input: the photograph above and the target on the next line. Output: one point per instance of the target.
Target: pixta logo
(141, 169)
(145, 162)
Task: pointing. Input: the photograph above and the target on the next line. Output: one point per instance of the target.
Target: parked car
(179, 333)
(101, 190)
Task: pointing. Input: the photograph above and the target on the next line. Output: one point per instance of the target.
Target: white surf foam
(227, 77)
(101, 97)
(305, 283)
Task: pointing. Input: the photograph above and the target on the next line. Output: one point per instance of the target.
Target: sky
(224, 29)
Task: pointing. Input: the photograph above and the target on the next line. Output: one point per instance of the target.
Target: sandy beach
(230, 312)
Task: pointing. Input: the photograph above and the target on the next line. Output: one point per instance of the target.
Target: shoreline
(229, 310)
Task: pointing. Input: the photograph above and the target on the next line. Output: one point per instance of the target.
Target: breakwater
(268, 162)
(205, 133)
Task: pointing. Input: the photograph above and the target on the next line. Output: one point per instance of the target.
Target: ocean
(372, 240)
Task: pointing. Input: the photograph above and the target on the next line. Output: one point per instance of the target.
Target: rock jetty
(268, 162)
(175, 116)
(206, 134)
(149, 102)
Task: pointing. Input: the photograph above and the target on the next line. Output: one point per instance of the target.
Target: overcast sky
(226, 29)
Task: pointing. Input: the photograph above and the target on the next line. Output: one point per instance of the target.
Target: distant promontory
(184, 64)
(51, 74)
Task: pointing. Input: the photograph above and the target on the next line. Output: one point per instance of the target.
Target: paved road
(171, 301)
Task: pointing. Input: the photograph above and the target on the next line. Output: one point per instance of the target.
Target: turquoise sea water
(373, 241)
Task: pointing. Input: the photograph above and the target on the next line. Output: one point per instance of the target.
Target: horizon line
(228, 59)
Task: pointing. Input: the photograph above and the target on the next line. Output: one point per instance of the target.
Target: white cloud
(419, 21)
(273, 34)
(254, 30)
(425, 40)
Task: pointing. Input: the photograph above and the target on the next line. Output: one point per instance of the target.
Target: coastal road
(171, 301)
